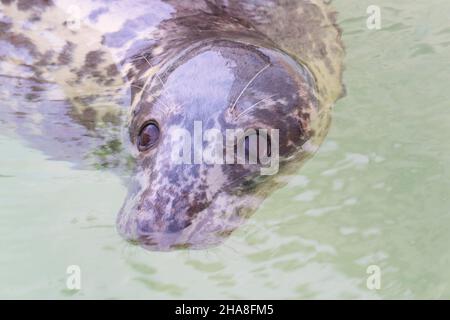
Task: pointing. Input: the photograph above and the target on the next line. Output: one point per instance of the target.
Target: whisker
(164, 104)
(135, 86)
(136, 58)
(165, 101)
(162, 83)
(150, 65)
(247, 85)
(246, 111)
(146, 60)
(231, 182)
(157, 75)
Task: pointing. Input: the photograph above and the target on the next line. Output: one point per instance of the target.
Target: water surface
(377, 193)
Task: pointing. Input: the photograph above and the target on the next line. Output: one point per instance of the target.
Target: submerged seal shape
(111, 84)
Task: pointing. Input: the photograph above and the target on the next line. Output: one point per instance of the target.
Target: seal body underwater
(111, 84)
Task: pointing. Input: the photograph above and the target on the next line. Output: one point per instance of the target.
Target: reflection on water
(376, 193)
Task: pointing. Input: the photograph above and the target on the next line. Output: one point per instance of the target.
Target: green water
(377, 193)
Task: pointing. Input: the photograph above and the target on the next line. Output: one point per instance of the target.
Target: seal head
(189, 188)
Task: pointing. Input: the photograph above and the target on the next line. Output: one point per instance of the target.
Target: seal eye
(148, 136)
(256, 147)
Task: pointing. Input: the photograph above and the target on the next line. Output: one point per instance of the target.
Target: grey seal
(111, 84)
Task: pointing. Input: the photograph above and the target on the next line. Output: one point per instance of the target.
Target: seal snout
(158, 219)
(182, 223)
(148, 226)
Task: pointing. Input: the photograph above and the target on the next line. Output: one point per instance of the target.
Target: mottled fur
(80, 82)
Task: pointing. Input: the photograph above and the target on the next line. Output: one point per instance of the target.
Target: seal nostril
(175, 226)
(144, 227)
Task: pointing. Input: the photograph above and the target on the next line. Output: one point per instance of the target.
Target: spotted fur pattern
(80, 81)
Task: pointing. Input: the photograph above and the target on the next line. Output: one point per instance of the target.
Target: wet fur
(76, 94)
